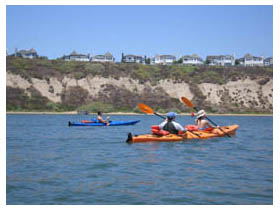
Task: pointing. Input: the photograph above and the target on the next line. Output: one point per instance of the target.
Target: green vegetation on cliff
(119, 99)
(43, 69)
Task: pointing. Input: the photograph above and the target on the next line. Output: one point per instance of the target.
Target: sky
(54, 31)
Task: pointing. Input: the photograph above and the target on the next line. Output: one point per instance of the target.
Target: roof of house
(108, 54)
(31, 51)
(74, 53)
(268, 59)
(167, 57)
(99, 56)
(136, 56)
(192, 56)
(251, 56)
(212, 57)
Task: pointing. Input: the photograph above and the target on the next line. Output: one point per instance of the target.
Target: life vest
(170, 127)
(209, 129)
(191, 127)
(196, 128)
(156, 130)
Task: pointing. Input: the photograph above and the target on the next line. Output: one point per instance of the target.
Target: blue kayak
(111, 123)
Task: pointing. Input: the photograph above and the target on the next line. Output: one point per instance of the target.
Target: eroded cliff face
(243, 95)
(246, 94)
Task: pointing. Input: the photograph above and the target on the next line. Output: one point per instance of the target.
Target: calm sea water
(51, 163)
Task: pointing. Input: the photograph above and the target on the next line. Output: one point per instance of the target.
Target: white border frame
(276, 92)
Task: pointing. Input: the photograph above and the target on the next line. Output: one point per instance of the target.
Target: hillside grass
(42, 69)
(121, 100)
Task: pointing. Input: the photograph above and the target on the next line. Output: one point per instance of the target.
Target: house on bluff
(192, 60)
(220, 60)
(31, 54)
(74, 56)
(133, 58)
(268, 61)
(107, 57)
(250, 60)
(163, 59)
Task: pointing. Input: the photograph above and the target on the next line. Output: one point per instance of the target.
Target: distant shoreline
(131, 113)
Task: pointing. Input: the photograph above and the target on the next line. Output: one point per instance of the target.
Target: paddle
(190, 104)
(107, 121)
(146, 109)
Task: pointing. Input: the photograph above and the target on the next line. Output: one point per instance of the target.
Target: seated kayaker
(170, 125)
(100, 118)
(202, 122)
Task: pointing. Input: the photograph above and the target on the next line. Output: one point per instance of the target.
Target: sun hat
(201, 113)
(170, 115)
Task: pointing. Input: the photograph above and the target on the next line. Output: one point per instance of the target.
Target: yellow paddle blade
(187, 101)
(145, 108)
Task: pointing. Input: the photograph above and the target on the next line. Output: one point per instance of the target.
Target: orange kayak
(201, 134)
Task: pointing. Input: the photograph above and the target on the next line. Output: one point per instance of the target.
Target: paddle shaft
(159, 115)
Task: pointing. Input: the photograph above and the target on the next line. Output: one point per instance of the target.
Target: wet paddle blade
(145, 108)
(187, 101)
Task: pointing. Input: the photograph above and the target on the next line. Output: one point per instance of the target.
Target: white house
(26, 53)
(268, 61)
(192, 60)
(249, 60)
(74, 56)
(163, 59)
(133, 59)
(108, 57)
(221, 60)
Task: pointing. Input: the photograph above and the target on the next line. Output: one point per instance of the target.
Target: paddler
(100, 118)
(170, 125)
(202, 122)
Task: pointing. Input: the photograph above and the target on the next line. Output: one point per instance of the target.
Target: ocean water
(50, 163)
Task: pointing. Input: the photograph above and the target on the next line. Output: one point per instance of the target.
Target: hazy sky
(143, 30)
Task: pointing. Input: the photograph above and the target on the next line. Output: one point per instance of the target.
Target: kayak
(111, 123)
(200, 134)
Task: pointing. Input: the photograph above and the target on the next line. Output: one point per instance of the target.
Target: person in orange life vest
(170, 125)
(202, 122)
(100, 118)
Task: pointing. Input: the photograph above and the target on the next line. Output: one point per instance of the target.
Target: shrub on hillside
(74, 96)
